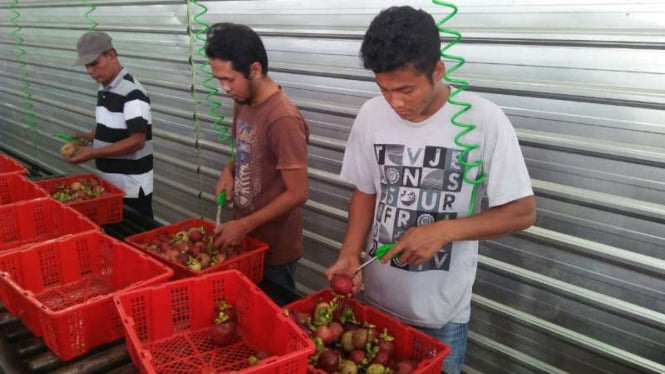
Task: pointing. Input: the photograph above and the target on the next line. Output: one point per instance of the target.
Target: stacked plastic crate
(59, 274)
(58, 271)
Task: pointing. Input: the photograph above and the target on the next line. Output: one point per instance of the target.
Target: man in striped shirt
(122, 141)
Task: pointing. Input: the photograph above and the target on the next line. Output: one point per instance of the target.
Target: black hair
(238, 44)
(400, 36)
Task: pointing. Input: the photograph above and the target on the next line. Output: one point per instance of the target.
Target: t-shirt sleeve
(288, 140)
(359, 164)
(507, 176)
(136, 112)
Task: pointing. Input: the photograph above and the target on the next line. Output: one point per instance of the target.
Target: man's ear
(439, 71)
(111, 54)
(255, 70)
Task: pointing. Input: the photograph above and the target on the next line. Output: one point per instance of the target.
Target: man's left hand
(418, 244)
(82, 154)
(230, 233)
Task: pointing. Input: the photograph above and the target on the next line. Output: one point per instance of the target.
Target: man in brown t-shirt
(268, 177)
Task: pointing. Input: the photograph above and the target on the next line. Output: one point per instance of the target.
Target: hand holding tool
(221, 202)
(69, 138)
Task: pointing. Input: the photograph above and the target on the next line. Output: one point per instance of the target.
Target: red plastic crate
(15, 187)
(38, 220)
(410, 343)
(101, 210)
(249, 262)
(167, 327)
(9, 165)
(62, 289)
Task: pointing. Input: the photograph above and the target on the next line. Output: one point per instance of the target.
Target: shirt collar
(115, 80)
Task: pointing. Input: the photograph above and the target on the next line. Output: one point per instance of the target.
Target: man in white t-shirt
(419, 184)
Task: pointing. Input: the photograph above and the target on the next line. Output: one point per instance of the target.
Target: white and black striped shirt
(123, 108)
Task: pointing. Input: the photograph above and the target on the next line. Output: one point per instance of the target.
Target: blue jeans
(283, 275)
(454, 335)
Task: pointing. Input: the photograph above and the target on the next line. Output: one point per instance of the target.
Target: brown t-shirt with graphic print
(270, 137)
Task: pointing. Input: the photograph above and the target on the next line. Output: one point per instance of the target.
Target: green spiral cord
(223, 134)
(22, 75)
(461, 85)
(195, 98)
(88, 17)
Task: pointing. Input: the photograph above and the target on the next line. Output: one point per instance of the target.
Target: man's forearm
(295, 195)
(361, 212)
(230, 168)
(493, 223)
(285, 202)
(88, 136)
(123, 147)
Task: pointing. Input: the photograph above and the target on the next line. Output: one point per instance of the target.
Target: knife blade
(380, 252)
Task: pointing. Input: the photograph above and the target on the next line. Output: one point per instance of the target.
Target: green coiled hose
(223, 134)
(461, 85)
(22, 75)
(198, 29)
(88, 17)
(195, 97)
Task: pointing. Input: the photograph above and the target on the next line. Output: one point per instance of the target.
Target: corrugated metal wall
(583, 291)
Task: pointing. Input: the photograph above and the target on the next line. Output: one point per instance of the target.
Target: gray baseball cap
(91, 45)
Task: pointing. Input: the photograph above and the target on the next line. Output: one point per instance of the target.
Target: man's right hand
(225, 183)
(85, 138)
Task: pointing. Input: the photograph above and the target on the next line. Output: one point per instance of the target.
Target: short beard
(243, 102)
(250, 96)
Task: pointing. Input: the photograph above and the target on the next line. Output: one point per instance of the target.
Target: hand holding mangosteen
(226, 182)
(342, 270)
(82, 154)
(68, 150)
(342, 284)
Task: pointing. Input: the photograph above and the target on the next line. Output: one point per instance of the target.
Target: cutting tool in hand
(221, 202)
(69, 138)
(380, 252)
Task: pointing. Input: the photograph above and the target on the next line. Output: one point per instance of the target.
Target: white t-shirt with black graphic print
(413, 169)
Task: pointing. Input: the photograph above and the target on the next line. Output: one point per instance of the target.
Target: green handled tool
(221, 202)
(380, 252)
(69, 138)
